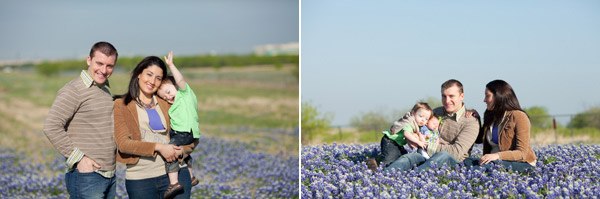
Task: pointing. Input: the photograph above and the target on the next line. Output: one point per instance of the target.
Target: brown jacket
(128, 136)
(513, 138)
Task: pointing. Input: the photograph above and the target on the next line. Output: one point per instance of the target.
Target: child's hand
(169, 59)
(413, 145)
(423, 145)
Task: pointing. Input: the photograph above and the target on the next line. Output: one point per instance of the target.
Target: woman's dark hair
(134, 88)
(505, 99)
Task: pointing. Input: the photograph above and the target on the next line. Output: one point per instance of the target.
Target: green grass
(241, 91)
(592, 132)
(275, 84)
(268, 82)
(345, 135)
(231, 119)
(41, 90)
(257, 97)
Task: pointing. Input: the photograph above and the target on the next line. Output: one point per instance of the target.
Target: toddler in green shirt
(184, 121)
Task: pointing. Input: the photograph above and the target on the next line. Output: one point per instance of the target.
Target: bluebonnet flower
(562, 171)
(225, 170)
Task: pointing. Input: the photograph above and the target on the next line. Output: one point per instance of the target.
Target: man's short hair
(105, 48)
(452, 82)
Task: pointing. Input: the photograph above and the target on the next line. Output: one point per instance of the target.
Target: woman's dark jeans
(156, 187)
(515, 166)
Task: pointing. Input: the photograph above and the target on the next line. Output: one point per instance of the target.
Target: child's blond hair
(421, 105)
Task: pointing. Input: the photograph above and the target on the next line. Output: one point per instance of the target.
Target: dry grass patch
(551, 137)
(22, 128)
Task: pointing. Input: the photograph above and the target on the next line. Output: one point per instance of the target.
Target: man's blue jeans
(406, 162)
(439, 159)
(89, 185)
(411, 160)
(156, 187)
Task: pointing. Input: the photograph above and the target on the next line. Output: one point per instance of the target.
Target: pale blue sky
(359, 56)
(39, 29)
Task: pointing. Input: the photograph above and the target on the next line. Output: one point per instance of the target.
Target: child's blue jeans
(179, 138)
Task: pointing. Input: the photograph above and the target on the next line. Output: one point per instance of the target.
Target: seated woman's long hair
(505, 99)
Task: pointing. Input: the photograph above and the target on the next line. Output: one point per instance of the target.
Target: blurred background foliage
(366, 127)
(313, 122)
(50, 68)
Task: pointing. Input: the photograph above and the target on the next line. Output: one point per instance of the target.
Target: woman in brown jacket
(506, 130)
(141, 122)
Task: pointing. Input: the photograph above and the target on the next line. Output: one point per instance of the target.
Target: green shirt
(399, 137)
(184, 112)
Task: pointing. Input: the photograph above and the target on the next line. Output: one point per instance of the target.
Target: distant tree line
(540, 118)
(127, 63)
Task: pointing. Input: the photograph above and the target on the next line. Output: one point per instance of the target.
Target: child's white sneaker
(423, 153)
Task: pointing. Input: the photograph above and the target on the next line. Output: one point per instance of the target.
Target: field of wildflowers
(340, 171)
(225, 169)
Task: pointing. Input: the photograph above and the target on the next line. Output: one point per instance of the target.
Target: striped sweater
(80, 122)
(457, 132)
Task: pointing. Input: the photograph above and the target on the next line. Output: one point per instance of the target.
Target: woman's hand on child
(168, 151)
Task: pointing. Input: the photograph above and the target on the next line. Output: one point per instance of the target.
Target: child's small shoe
(173, 190)
(423, 153)
(195, 181)
(372, 164)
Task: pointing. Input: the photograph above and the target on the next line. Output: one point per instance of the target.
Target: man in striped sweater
(80, 126)
(457, 132)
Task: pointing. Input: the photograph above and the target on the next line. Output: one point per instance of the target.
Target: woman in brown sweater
(141, 122)
(506, 130)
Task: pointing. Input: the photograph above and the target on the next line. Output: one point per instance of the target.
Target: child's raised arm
(180, 82)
